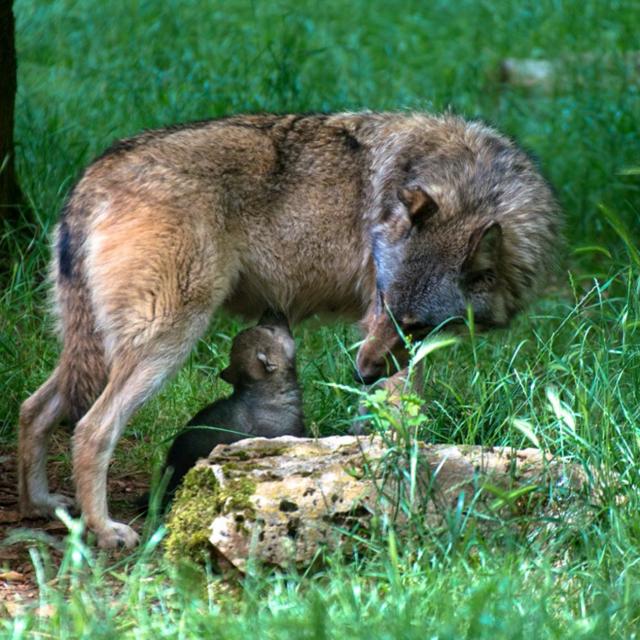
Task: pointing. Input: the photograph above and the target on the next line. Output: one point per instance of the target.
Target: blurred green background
(94, 71)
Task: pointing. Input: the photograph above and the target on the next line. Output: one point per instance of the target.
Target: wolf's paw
(116, 535)
(45, 506)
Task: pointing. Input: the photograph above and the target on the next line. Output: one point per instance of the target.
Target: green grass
(93, 71)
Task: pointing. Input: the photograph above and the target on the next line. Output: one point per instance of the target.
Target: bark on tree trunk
(10, 193)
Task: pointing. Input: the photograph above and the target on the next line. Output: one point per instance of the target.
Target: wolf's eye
(481, 280)
(414, 328)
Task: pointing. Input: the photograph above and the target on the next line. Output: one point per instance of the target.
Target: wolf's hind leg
(39, 414)
(136, 374)
(156, 275)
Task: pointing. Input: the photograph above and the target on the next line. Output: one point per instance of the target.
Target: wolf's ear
(485, 249)
(420, 205)
(269, 366)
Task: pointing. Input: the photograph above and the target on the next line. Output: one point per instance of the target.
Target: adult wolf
(300, 213)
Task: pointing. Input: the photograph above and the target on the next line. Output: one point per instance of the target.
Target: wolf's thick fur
(266, 400)
(330, 214)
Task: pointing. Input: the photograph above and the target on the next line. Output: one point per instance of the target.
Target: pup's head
(462, 218)
(266, 351)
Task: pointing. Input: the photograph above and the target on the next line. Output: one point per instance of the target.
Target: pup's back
(266, 400)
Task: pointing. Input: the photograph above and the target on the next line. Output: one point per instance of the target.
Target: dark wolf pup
(347, 214)
(266, 400)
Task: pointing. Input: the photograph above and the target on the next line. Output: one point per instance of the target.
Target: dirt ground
(18, 585)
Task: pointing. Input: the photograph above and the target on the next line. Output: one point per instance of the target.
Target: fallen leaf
(7, 515)
(12, 576)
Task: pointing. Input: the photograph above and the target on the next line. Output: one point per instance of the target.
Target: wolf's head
(264, 352)
(460, 217)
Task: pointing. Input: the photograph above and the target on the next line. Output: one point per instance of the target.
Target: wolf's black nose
(367, 377)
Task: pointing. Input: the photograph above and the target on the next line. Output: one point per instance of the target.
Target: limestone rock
(282, 500)
(562, 73)
(528, 73)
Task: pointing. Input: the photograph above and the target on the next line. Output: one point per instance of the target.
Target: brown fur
(344, 214)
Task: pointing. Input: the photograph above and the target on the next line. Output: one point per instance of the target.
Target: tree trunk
(10, 194)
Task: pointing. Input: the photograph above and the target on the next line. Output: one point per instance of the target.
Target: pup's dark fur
(266, 400)
(303, 213)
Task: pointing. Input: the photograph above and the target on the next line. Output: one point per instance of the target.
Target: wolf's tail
(83, 367)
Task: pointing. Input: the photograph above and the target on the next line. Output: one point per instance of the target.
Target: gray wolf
(340, 215)
(266, 400)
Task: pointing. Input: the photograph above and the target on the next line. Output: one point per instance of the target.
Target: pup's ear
(420, 205)
(229, 375)
(269, 366)
(485, 249)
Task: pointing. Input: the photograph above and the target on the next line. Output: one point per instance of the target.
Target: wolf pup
(266, 400)
(348, 214)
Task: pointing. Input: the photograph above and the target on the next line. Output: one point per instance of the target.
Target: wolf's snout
(369, 373)
(377, 360)
(383, 350)
(371, 361)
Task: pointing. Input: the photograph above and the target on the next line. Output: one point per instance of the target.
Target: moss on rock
(198, 501)
(194, 507)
